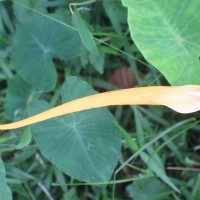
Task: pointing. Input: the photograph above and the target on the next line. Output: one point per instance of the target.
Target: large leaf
(85, 145)
(5, 192)
(167, 33)
(37, 41)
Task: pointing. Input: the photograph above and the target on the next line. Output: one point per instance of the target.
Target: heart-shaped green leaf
(85, 145)
(167, 34)
(37, 41)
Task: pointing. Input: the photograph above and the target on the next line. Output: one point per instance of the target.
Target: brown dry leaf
(123, 77)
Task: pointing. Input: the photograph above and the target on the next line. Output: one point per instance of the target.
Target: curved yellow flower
(183, 99)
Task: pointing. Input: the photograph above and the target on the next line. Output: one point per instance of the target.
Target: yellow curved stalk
(183, 99)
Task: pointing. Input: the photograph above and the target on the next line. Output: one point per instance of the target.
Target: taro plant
(55, 52)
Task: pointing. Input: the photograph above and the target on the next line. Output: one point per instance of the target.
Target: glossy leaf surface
(167, 34)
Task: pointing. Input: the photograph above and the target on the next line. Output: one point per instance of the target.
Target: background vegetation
(51, 53)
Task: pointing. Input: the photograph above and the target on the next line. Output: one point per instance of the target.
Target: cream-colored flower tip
(183, 99)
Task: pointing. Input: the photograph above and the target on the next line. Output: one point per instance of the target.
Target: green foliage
(18, 95)
(154, 163)
(84, 33)
(25, 138)
(47, 52)
(5, 192)
(195, 191)
(40, 40)
(150, 189)
(21, 14)
(168, 36)
(89, 137)
(116, 13)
